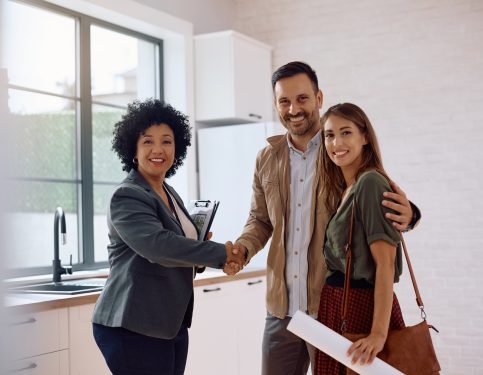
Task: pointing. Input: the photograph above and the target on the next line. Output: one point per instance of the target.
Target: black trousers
(130, 353)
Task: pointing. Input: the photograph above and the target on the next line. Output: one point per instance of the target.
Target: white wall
(416, 67)
(206, 15)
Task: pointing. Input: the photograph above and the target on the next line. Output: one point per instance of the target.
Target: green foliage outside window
(46, 148)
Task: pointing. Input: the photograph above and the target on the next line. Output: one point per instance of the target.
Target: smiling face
(344, 143)
(298, 106)
(155, 150)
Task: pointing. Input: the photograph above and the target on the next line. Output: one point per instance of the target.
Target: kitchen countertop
(28, 303)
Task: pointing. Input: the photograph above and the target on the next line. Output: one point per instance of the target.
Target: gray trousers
(284, 353)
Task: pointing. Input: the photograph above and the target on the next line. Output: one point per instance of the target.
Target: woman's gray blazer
(150, 285)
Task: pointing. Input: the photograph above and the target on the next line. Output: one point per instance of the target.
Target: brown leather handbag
(410, 349)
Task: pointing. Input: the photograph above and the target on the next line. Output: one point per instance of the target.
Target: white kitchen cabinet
(227, 328)
(55, 363)
(33, 334)
(212, 340)
(250, 333)
(232, 79)
(85, 356)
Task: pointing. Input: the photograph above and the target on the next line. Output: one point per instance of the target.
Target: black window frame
(84, 152)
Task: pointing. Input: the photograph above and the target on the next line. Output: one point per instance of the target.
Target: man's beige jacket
(269, 213)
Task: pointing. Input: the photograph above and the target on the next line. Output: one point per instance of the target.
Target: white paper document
(202, 213)
(335, 345)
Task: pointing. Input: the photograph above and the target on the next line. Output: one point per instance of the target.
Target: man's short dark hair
(294, 68)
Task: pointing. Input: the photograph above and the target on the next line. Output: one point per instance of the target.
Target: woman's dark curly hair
(139, 117)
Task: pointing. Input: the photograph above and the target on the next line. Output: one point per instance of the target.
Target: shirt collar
(314, 142)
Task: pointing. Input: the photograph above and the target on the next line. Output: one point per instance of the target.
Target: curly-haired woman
(141, 319)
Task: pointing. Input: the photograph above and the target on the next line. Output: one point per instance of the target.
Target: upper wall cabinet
(232, 79)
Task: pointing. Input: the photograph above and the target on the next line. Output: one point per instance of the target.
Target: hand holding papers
(202, 213)
(334, 345)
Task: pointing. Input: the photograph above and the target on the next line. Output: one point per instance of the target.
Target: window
(70, 78)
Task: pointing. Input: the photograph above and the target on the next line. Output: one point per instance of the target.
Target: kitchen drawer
(215, 291)
(38, 333)
(56, 363)
(227, 328)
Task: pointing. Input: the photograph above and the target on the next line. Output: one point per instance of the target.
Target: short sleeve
(368, 193)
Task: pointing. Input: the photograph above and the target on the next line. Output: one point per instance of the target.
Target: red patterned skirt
(361, 307)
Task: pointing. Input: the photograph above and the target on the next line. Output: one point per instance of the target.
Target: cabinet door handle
(211, 290)
(28, 321)
(29, 367)
(255, 115)
(254, 282)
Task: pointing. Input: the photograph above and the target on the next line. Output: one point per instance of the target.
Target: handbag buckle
(423, 313)
(423, 316)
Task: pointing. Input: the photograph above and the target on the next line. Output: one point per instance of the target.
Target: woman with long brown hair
(355, 175)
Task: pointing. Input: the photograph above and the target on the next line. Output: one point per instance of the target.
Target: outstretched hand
(235, 258)
(398, 202)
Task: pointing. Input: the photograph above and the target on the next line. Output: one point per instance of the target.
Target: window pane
(106, 168)
(123, 67)
(40, 52)
(45, 135)
(102, 194)
(31, 222)
(106, 164)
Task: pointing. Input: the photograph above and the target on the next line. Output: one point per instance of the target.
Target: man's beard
(309, 123)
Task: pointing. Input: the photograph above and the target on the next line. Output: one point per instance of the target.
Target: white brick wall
(416, 67)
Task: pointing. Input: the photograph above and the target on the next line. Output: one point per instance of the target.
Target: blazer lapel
(135, 178)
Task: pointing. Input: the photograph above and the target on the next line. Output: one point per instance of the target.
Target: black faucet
(57, 269)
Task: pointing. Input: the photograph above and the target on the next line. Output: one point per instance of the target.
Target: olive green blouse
(370, 225)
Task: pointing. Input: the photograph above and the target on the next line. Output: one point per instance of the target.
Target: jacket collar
(278, 141)
(136, 178)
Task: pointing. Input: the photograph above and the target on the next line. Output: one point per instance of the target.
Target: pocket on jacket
(273, 199)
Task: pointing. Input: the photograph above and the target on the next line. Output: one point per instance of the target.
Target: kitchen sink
(64, 287)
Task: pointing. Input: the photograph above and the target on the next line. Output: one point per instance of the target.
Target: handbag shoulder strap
(419, 299)
(348, 270)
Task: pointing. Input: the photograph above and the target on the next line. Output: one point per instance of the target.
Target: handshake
(236, 256)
